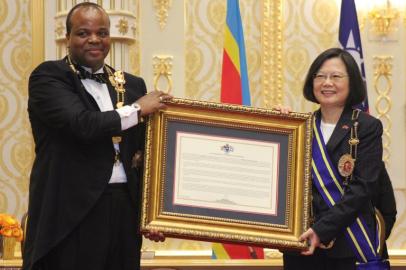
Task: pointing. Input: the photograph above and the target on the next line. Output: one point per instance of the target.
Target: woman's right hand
(283, 109)
(312, 238)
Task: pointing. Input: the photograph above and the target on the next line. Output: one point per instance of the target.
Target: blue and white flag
(350, 39)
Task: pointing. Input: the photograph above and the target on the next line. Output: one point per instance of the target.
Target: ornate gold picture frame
(227, 173)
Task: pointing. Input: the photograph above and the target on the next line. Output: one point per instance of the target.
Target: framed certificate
(227, 173)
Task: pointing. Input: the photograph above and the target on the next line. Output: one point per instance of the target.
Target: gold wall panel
(16, 146)
(37, 30)
(383, 104)
(309, 27)
(271, 56)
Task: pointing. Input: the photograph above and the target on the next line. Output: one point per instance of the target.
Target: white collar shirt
(128, 115)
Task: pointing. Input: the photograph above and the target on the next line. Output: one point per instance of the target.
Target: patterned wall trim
(272, 53)
(383, 86)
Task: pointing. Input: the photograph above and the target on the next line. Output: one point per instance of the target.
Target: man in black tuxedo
(85, 182)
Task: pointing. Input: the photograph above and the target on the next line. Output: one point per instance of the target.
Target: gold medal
(346, 165)
(117, 80)
(137, 160)
(353, 141)
(112, 81)
(329, 245)
(116, 139)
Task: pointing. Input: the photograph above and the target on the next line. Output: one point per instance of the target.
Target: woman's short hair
(357, 90)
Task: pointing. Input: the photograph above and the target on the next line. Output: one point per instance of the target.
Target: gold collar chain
(116, 79)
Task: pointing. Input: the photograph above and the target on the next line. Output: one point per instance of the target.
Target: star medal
(346, 165)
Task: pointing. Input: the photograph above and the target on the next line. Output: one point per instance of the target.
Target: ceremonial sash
(329, 184)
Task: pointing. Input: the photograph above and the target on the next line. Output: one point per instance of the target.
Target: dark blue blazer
(330, 223)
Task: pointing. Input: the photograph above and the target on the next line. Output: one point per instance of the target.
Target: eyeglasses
(334, 77)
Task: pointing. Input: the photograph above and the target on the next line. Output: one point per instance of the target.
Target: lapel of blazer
(113, 94)
(78, 85)
(342, 128)
(112, 91)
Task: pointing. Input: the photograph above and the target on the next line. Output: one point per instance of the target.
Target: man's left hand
(152, 102)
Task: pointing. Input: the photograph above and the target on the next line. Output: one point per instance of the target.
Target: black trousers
(318, 261)
(107, 239)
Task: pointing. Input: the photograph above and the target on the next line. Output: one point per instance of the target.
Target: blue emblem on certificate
(227, 148)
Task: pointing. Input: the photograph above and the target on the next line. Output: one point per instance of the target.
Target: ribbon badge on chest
(346, 165)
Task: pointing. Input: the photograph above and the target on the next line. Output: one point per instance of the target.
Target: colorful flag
(233, 251)
(350, 39)
(234, 80)
(235, 90)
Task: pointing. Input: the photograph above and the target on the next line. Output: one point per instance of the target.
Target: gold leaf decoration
(162, 66)
(383, 86)
(3, 109)
(3, 200)
(3, 11)
(122, 26)
(21, 154)
(162, 11)
(216, 12)
(21, 57)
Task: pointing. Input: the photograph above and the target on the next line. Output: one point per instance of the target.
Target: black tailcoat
(74, 153)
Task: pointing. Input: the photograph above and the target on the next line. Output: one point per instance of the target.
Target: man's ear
(67, 42)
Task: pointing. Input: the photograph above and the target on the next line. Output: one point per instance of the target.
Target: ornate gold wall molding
(322, 22)
(162, 11)
(272, 53)
(38, 35)
(162, 67)
(203, 47)
(383, 87)
(122, 26)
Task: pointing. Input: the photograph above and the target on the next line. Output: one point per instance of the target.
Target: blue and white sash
(329, 183)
